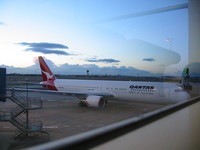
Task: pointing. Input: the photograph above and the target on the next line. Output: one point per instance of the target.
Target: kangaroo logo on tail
(46, 72)
(48, 76)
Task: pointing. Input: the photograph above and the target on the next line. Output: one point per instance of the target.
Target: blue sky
(66, 32)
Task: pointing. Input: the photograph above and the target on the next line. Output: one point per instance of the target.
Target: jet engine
(95, 101)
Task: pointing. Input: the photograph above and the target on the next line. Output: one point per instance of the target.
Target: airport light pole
(88, 72)
(170, 42)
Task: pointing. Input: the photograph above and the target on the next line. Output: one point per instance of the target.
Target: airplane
(95, 93)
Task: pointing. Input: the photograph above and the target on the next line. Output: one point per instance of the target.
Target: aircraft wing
(108, 95)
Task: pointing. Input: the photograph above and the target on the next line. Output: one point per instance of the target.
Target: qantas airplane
(95, 93)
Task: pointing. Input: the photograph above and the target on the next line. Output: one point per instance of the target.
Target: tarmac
(62, 117)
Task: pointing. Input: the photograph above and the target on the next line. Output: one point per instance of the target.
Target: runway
(62, 117)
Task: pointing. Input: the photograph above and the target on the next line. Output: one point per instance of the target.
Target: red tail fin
(46, 72)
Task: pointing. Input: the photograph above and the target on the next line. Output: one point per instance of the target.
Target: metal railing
(24, 101)
(24, 104)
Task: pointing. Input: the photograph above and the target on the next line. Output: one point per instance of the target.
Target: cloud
(149, 59)
(46, 48)
(103, 60)
(47, 51)
(69, 69)
(44, 45)
(2, 23)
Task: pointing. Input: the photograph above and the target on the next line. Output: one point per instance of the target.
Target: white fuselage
(150, 92)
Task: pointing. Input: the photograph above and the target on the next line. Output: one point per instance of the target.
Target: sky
(71, 33)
